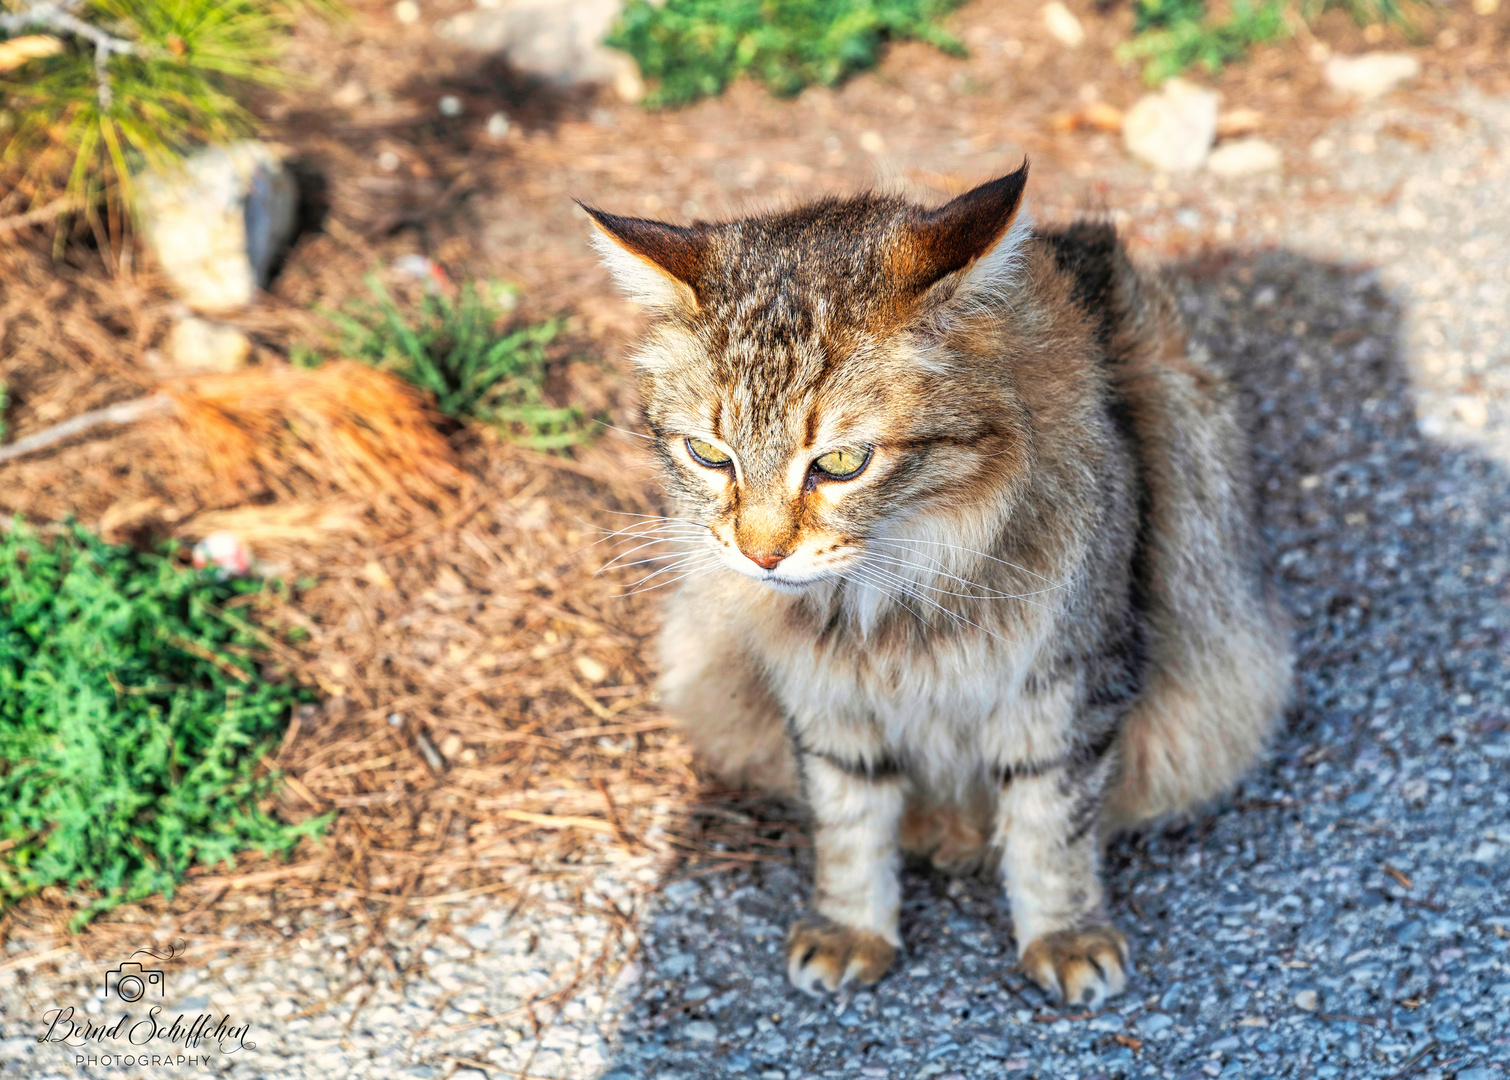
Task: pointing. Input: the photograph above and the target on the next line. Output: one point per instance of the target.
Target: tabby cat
(972, 565)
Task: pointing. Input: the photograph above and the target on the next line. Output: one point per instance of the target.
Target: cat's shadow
(1373, 529)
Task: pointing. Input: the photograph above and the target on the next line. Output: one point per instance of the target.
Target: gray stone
(702, 1031)
(1244, 157)
(196, 345)
(559, 41)
(1172, 130)
(218, 222)
(1063, 25)
(1153, 1023)
(1370, 75)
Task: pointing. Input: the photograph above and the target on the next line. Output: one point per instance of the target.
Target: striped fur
(1035, 617)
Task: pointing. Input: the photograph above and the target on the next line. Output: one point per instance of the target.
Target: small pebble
(594, 671)
(1063, 25)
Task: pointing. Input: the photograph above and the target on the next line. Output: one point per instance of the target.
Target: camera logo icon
(130, 982)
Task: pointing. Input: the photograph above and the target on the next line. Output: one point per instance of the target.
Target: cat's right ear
(657, 265)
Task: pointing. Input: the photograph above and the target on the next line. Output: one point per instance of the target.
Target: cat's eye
(842, 464)
(705, 453)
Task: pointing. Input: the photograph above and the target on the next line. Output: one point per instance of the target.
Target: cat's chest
(960, 704)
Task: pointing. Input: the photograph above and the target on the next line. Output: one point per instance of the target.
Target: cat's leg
(852, 936)
(1051, 858)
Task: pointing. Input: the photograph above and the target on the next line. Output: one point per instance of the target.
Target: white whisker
(877, 573)
(626, 431)
(687, 572)
(983, 595)
(650, 559)
(882, 588)
(689, 560)
(971, 551)
(640, 547)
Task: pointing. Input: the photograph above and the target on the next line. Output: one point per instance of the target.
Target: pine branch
(127, 413)
(56, 208)
(58, 18)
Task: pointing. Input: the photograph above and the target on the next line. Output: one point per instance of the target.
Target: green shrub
(1176, 35)
(691, 49)
(456, 349)
(1152, 14)
(1173, 35)
(132, 721)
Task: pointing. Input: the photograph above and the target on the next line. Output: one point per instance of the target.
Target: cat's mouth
(789, 585)
(785, 579)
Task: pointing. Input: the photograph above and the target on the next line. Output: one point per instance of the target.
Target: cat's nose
(765, 562)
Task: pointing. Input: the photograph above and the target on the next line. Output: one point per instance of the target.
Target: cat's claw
(1078, 967)
(823, 955)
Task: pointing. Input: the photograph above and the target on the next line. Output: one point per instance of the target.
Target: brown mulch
(487, 714)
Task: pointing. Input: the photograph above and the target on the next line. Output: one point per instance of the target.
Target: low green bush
(459, 349)
(1177, 34)
(132, 721)
(1171, 36)
(691, 49)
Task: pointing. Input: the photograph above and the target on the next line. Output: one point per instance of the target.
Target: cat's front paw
(1079, 967)
(823, 955)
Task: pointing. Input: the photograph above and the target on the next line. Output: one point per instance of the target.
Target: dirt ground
(488, 698)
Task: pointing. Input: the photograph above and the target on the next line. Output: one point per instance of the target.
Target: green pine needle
(181, 89)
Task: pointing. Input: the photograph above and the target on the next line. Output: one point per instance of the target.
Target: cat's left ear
(972, 241)
(656, 264)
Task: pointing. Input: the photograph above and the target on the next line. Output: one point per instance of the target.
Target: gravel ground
(480, 991)
(1344, 914)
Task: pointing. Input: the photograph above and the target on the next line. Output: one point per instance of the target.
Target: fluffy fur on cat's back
(975, 559)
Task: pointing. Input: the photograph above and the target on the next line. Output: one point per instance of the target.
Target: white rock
(702, 1031)
(1307, 1000)
(1062, 25)
(1244, 157)
(450, 105)
(594, 671)
(498, 126)
(198, 345)
(1371, 74)
(406, 12)
(350, 94)
(560, 41)
(1173, 129)
(1471, 411)
(218, 222)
